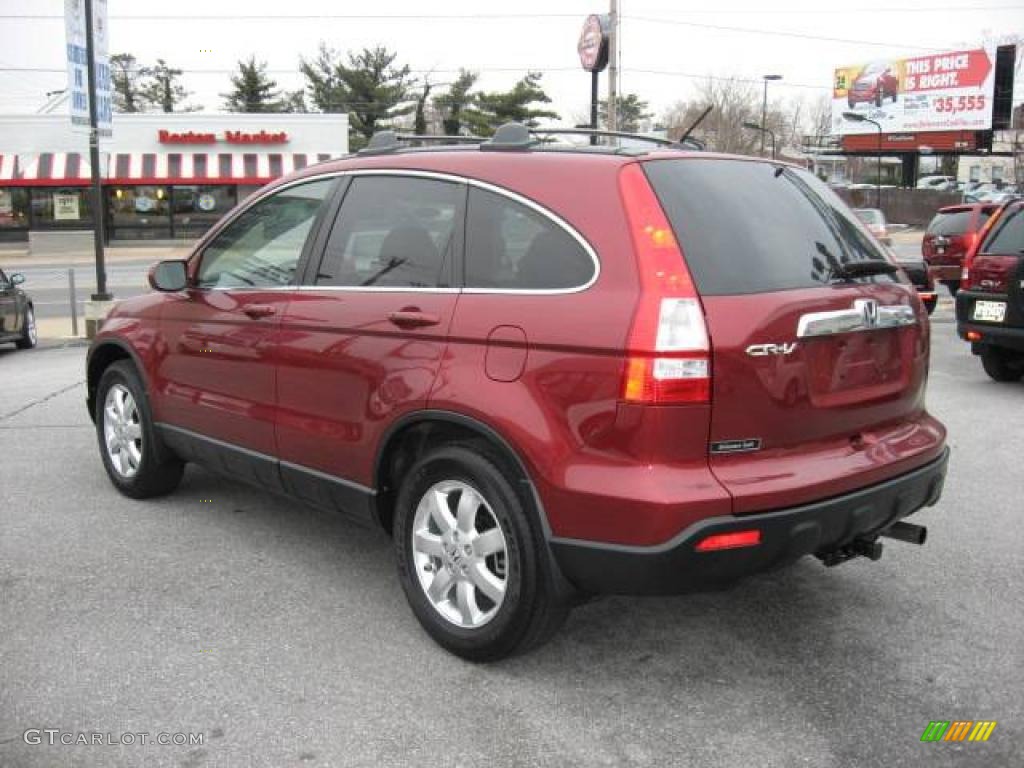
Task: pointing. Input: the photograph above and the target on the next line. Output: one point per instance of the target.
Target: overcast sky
(666, 47)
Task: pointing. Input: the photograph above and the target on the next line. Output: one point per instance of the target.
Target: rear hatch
(998, 268)
(818, 375)
(951, 234)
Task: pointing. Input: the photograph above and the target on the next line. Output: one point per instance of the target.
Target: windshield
(751, 227)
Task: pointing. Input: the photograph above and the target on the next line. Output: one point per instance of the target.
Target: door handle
(413, 318)
(256, 311)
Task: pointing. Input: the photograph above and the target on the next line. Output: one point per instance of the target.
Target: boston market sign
(229, 137)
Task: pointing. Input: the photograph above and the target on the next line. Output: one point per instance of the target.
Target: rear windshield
(751, 227)
(1007, 236)
(952, 223)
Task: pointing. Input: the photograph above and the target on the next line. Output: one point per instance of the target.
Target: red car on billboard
(875, 83)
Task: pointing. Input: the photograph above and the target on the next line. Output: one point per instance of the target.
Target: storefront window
(139, 213)
(13, 208)
(197, 208)
(61, 208)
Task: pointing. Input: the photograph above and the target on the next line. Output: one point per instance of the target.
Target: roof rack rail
(514, 136)
(441, 138)
(686, 143)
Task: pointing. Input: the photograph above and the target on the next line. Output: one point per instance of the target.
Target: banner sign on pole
(75, 50)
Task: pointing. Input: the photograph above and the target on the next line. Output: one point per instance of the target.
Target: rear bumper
(1009, 334)
(786, 535)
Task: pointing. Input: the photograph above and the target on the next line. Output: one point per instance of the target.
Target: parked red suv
(501, 355)
(949, 236)
(990, 305)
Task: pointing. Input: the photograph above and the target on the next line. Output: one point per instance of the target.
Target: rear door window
(393, 231)
(510, 246)
(952, 223)
(752, 227)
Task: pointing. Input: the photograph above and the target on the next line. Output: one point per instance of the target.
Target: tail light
(668, 357)
(973, 248)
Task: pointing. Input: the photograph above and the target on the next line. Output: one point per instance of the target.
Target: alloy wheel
(122, 431)
(460, 554)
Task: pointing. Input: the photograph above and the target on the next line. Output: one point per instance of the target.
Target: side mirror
(168, 276)
(16, 278)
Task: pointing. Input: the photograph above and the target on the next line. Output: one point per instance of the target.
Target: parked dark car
(990, 304)
(17, 315)
(500, 355)
(875, 82)
(921, 277)
(951, 233)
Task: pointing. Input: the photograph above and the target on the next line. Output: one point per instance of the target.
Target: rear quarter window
(1007, 236)
(512, 247)
(752, 227)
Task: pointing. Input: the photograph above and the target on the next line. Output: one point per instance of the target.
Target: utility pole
(613, 66)
(94, 160)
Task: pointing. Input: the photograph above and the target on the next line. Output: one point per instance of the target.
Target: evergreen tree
(490, 110)
(451, 103)
(367, 85)
(127, 80)
(164, 89)
(252, 90)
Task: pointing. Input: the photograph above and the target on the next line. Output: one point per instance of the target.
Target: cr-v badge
(763, 350)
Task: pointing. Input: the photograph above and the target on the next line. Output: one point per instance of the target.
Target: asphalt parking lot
(281, 634)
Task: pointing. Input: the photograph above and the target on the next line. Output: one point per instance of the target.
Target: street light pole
(764, 106)
(763, 130)
(857, 117)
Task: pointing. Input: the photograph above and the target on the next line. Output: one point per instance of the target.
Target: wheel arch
(412, 435)
(101, 356)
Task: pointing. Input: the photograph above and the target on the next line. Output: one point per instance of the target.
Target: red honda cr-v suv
(546, 370)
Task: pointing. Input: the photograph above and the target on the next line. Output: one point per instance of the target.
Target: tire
(145, 467)
(478, 623)
(952, 285)
(29, 334)
(930, 304)
(1002, 365)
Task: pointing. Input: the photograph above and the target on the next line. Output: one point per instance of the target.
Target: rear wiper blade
(864, 268)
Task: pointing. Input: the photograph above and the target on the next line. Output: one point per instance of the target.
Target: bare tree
(733, 103)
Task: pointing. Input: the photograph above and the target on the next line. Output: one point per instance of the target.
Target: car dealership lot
(281, 633)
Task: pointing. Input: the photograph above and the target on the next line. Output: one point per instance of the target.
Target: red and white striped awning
(47, 169)
(72, 168)
(205, 167)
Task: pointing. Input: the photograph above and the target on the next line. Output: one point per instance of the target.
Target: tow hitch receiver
(869, 548)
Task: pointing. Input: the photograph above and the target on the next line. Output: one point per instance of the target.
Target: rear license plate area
(989, 311)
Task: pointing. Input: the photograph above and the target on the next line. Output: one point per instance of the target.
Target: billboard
(938, 92)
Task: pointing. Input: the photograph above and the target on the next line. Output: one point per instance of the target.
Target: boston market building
(165, 176)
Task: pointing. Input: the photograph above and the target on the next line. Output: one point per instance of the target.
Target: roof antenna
(696, 122)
